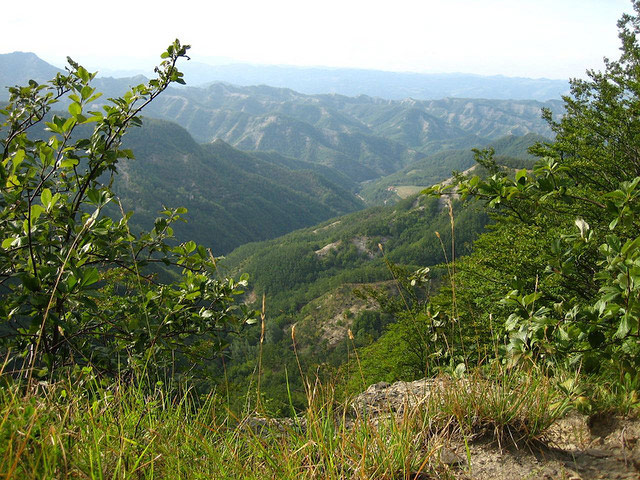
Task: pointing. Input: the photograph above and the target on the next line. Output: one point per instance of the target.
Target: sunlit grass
(82, 430)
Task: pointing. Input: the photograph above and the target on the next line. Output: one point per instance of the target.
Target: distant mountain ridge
(18, 68)
(343, 81)
(373, 83)
(362, 137)
(377, 83)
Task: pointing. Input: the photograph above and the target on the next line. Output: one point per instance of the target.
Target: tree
(583, 304)
(75, 284)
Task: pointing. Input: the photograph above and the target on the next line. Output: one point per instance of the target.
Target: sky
(527, 38)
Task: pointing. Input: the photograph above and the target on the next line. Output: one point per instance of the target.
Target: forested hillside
(232, 197)
(309, 277)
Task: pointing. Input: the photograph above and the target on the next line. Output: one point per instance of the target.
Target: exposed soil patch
(327, 248)
(361, 244)
(327, 226)
(576, 447)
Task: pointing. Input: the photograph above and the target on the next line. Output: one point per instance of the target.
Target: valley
(255, 282)
(315, 197)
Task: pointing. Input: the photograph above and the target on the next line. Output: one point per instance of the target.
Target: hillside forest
(237, 250)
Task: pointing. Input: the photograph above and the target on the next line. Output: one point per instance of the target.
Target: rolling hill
(232, 197)
(362, 137)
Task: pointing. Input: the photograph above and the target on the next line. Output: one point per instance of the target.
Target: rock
(597, 453)
(267, 426)
(450, 458)
(576, 447)
(383, 397)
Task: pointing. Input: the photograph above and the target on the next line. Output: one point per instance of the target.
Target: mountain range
(363, 137)
(304, 157)
(343, 81)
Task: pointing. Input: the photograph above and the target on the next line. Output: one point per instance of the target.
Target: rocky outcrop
(383, 397)
(577, 447)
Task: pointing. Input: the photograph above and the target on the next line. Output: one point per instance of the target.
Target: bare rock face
(384, 397)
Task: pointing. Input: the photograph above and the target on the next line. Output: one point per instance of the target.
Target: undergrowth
(80, 429)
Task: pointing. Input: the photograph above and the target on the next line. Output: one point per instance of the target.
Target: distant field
(405, 191)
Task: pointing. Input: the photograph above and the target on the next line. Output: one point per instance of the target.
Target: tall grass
(80, 429)
(123, 432)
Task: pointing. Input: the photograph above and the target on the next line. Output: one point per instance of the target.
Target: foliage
(75, 287)
(583, 196)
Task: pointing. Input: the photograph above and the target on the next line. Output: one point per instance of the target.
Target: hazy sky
(532, 38)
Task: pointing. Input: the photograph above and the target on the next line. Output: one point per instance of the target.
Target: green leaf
(68, 163)
(625, 326)
(51, 126)
(71, 121)
(36, 211)
(94, 98)
(17, 159)
(613, 223)
(630, 246)
(94, 196)
(89, 277)
(190, 246)
(521, 176)
(86, 92)
(8, 242)
(45, 198)
(30, 282)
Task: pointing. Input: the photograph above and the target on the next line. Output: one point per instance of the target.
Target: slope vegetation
(232, 197)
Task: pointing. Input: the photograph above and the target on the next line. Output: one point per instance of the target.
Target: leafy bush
(579, 302)
(74, 284)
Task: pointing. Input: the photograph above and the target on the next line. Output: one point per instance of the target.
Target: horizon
(538, 39)
(149, 71)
